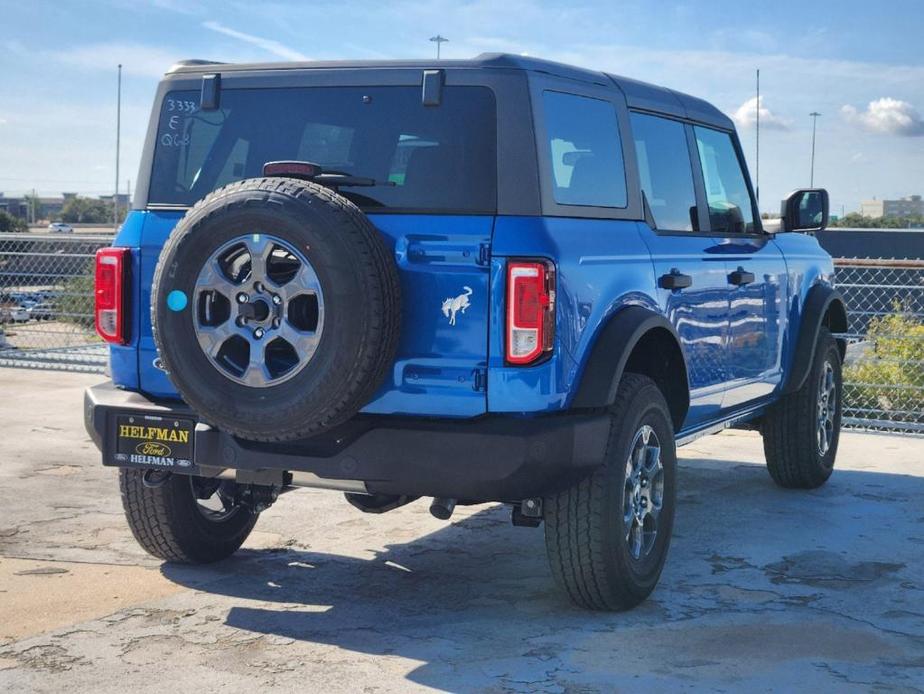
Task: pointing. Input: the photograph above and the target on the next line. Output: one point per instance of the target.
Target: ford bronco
(491, 280)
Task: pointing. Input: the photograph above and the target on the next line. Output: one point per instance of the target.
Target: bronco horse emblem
(452, 306)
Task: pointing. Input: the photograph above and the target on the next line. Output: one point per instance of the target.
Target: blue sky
(861, 64)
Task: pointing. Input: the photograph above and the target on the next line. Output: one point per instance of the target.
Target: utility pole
(128, 192)
(34, 205)
(757, 158)
(438, 40)
(115, 197)
(814, 115)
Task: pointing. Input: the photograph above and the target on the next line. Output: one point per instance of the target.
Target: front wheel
(607, 537)
(802, 430)
(185, 519)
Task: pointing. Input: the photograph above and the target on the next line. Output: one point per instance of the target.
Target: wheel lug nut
(258, 333)
(242, 298)
(275, 322)
(277, 299)
(258, 286)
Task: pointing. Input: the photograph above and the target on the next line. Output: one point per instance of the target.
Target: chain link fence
(46, 302)
(46, 321)
(884, 369)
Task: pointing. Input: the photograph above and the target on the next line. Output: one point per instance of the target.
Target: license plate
(153, 442)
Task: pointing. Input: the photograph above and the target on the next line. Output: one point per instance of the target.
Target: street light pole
(438, 40)
(757, 139)
(814, 115)
(115, 197)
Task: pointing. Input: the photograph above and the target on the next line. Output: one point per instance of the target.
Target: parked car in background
(60, 228)
(44, 310)
(13, 314)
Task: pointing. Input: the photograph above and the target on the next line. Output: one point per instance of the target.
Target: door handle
(740, 277)
(675, 280)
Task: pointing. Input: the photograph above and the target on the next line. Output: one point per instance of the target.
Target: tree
(86, 211)
(857, 221)
(10, 223)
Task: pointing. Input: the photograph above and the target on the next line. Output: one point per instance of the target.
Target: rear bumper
(492, 458)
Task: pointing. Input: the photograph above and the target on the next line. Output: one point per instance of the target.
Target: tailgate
(442, 354)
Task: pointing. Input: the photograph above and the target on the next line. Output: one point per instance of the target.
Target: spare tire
(276, 310)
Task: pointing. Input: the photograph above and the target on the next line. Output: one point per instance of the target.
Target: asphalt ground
(764, 589)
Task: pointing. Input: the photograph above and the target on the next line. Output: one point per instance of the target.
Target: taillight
(530, 310)
(110, 308)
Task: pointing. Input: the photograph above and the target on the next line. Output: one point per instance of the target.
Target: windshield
(422, 158)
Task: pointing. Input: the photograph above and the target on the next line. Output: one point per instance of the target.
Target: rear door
(755, 270)
(441, 361)
(688, 261)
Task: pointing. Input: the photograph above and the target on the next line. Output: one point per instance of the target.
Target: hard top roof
(639, 95)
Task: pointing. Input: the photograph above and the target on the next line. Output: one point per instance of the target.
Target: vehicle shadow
(475, 603)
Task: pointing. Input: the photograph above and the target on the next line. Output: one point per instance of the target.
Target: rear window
(422, 158)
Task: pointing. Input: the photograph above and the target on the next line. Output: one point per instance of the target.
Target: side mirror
(804, 210)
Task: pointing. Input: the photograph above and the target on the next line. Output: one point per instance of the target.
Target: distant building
(911, 206)
(123, 200)
(16, 206)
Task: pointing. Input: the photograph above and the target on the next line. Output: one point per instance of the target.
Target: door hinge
(484, 254)
(479, 380)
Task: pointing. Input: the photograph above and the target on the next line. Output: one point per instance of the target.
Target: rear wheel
(802, 430)
(185, 519)
(608, 536)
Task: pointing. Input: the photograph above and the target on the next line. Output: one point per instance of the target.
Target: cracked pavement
(763, 589)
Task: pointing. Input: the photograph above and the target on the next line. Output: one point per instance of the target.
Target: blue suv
(490, 280)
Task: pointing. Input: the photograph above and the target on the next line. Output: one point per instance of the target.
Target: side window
(665, 172)
(730, 208)
(585, 149)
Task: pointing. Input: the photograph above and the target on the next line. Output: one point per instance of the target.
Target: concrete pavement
(764, 588)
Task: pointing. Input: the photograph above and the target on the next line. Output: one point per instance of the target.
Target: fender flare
(611, 351)
(821, 300)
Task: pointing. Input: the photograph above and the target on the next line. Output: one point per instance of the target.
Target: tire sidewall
(648, 407)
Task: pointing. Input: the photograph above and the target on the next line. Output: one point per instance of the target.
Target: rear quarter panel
(602, 264)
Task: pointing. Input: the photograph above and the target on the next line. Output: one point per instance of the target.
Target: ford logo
(153, 448)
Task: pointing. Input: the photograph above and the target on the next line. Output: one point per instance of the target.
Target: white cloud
(270, 46)
(888, 116)
(3, 121)
(746, 116)
(137, 59)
